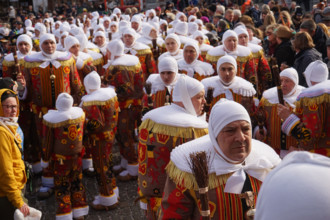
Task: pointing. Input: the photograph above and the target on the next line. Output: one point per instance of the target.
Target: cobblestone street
(127, 208)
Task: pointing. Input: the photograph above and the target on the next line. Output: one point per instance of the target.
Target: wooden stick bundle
(199, 166)
(276, 78)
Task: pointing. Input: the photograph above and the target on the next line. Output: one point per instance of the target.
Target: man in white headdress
(172, 44)
(149, 36)
(310, 125)
(140, 50)
(237, 165)
(84, 61)
(125, 74)
(60, 46)
(161, 130)
(39, 30)
(230, 86)
(101, 108)
(263, 73)
(49, 73)
(296, 189)
(162, 85)
(136, 24)
(63, 145)
(191, 66)
(181, 29)
(267, 109)
(242, 55)
(101, 42)
(203, 46)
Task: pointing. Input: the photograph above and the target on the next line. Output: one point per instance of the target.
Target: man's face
(113, 28)
(182, 18)
(171, 45)
(167, 77)
(75, 49)
(36, 32)
(198, 102)
(226, 72)
(235, 140)
(106, 24)
(135, 25)
(231, 43)
(243, 40)
(24, 47)
(57, 26)
(9, 107)
(287, 85)
(128, 40)
(200, 40)
(229, 16)
(99, 40)
(189, 54)
(153, 33)
(48, 46)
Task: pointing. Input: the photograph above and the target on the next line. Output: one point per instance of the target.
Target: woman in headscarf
(191, 66)
(267, 109)
(237, 165)
(172, 44)
(12, 168)
(163, 129)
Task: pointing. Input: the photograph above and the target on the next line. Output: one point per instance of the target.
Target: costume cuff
(44, 164)
(290, 123)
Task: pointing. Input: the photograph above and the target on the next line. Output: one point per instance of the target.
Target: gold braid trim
(37, 64)
(109, 101)
(265, 102)
(188, 132)
(127, 68)
(188, 179)
(8, 63)
(97, 50)
(306, 101)
(244, 59)
(257, 54)
(63, 123)
(143, 52)
(212, 58)
(98, 61)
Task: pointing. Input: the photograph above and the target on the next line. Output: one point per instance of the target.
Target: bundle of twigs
(276, 78)
(147, 87)
(209, 99)
(199, 165)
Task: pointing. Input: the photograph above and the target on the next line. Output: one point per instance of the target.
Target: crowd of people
(203, 102)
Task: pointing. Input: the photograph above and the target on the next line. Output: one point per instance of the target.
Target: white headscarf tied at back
(132, 32)
(146, 29)
(227, 59)
(227, 34)
(177, 39)
(116, 48)
(257, 164)
(83, 41)
(292, 74)
(48, 58)
(23, 38)
(92, 82)
(192, 28)
(316, 71)
(184, 90)
(298, 188)
(181, 28)
(69, 42)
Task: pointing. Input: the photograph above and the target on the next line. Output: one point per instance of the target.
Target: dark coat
(284, 53)
(302, 60)
(319, 40)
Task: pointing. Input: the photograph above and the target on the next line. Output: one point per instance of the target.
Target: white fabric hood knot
(116, 48)
(316, 71)
(48, 58)
(92, 81)
(69, 42)
(64, 102)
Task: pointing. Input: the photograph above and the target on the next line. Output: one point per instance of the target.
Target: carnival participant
(305, 196)
(310, 123)
(162, 85)
(136, 24)
(125, 74)
(12, 168)
(179, 123)
(191, 66)
(101, 108)
(267, 109)
(101, 43)
(140, 50)
(84, 61)
(230, 86)
(60, 46)
(263, 74)
(201, 38)
(49, 73)
(149, 33)
(242, 55)
(237, 165)
(172, 44)
(63, 137)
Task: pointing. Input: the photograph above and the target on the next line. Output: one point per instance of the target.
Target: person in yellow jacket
(12, 168)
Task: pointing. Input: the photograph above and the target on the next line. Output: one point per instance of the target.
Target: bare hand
(283, 66)
(259, 136)
(283, 111)
(20, 78)
(25, 209)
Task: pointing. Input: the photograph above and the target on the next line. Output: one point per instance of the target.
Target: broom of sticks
(199, 165)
